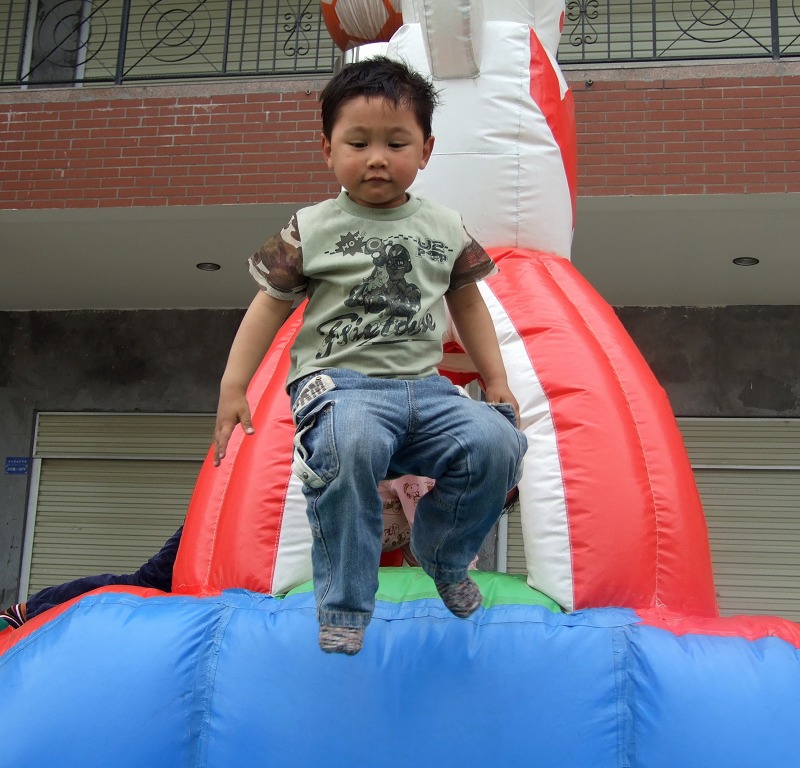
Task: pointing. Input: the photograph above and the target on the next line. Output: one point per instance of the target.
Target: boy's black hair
(382, 77)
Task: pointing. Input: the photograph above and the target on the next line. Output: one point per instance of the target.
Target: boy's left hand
(500, 393)
(476, 329)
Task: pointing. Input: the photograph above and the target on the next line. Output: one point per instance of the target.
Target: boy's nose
(376, 159)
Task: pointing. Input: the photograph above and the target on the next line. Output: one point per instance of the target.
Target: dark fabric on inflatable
(156, 573)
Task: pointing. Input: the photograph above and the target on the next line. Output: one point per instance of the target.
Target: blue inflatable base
(238, 680)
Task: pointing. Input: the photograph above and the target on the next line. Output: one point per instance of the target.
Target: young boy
(377, 266)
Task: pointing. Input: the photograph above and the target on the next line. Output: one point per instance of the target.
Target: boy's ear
(326, 149)
(427, 149)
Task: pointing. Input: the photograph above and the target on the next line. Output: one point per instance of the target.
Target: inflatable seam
(620, 649)
(204, 691)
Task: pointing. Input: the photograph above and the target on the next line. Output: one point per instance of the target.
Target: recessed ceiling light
(208, 266)
(745, 261)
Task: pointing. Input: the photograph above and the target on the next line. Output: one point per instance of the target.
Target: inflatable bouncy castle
(609, 652)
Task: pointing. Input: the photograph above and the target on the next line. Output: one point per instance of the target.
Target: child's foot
(341, 639)
(14, 616)
(462, 598)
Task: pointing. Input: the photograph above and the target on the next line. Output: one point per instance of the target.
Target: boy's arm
(256, 333)
(475, 327)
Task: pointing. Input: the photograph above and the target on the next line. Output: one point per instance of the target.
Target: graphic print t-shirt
(375, 281)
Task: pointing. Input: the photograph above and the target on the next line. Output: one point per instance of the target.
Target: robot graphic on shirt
(386, 291)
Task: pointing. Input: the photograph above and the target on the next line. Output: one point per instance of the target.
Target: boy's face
(376, 150)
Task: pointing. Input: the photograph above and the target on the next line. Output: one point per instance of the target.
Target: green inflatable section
(399, 585)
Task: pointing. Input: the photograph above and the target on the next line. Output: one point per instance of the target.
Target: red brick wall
(259, 142)
(163, 150)
(699, 136)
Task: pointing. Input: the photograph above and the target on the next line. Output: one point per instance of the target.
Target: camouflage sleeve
(277, 266)
(472, 265)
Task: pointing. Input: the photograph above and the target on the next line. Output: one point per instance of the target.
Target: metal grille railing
(599, 31)
(53, 42)
(70, 42)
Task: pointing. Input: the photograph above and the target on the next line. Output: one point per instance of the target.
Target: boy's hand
(500, 393)
(258, 328)
(233, 409)
(476, 329)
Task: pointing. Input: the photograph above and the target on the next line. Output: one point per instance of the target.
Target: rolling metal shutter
(516, 550)
(748, 475)
(107, 491)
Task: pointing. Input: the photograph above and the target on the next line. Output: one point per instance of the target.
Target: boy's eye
(396, 145)
(358, 144)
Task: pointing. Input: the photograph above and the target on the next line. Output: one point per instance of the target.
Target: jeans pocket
(506, 411)
(305, 391)
(315, 460)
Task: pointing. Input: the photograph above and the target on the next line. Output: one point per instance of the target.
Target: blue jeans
(353, 431)
(156, 573)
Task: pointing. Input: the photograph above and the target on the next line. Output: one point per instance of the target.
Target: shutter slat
(107, 435)
(742, 442)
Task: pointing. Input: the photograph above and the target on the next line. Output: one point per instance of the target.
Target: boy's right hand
(233, 409)
(257, 331)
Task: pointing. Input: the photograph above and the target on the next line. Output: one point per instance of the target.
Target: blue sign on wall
(17, 465)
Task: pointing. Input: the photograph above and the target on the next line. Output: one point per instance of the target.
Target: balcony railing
(68, 42)
(606, 31)
(72, 42)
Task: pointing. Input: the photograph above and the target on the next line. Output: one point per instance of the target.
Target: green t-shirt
(375, 280)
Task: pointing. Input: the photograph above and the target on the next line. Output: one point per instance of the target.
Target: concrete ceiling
(679, 250)
(636, 251)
